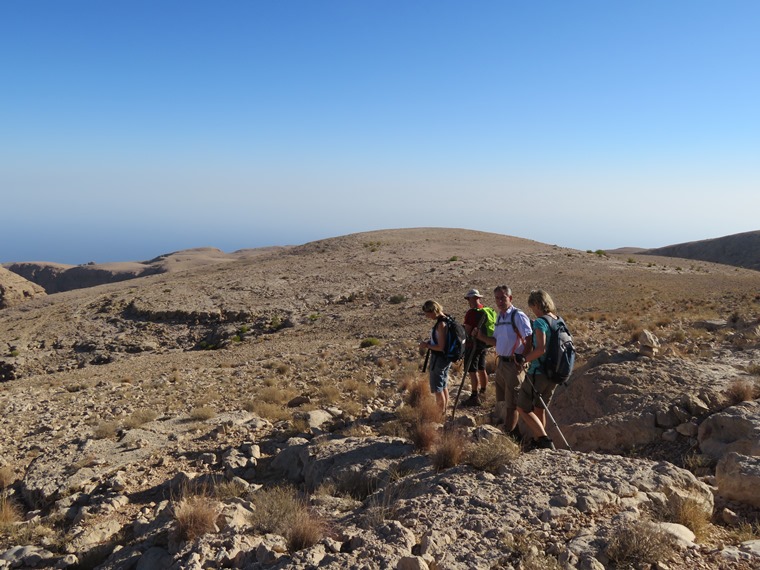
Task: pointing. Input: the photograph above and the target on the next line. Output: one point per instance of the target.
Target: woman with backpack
(537, 386)
(439, 365)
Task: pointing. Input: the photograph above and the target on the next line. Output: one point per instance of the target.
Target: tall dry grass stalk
(195, 516)
(280, 510)
(423, 435)
(690, 514)
(449, 450)
(420, 404)
(741, 390)
(10, 513)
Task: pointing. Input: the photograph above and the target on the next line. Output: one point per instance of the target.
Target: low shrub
(280, 510)
(10, 513)
(491, 455)
(195, 516)
(449, 450)
(105, 430)
(423, 435)
(369, 341)
(638, 544)
(741, 390)
(202, 413)
(140, 417)
(690, 514)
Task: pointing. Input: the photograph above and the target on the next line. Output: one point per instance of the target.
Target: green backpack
(488, 316)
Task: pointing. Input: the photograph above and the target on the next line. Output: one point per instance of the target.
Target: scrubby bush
(369, 341)
(280, 510)
(140, 417)
(449, 450)
(490, 455)
(202, 413)
(638, 544)
(195, 516)
(423, 435)
(105, 430)
(741, 390)
(10, 513)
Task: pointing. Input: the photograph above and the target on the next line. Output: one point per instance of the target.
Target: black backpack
(455, 339)
(559, 357)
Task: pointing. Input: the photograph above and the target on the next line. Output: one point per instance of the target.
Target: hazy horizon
(136, 129)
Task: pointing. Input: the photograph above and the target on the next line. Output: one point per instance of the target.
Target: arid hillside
(741, 250)
(296, 365)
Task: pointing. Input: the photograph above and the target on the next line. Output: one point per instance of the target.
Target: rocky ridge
(104, 429)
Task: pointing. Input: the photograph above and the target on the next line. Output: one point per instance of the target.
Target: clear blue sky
(133, 128)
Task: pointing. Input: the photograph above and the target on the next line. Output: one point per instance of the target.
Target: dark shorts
(478, 360)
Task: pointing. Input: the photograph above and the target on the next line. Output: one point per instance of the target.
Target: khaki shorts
(528, 398)
(508, 382)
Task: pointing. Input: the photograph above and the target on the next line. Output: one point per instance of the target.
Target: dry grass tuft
(746, 531)
(195, 516)
(689, 513)
(638, 544)
(306, 530)
(420, 404)
(140, 417)
(280, 510)
(202, 413)
(10, 513)
(539, 561)
(105, 430)
(230, 490)
(741, 391)
(491, 455)
(423, 435)
(7, 476)
(449, 450)
(276, 509)
(272, 412)
(384, 505)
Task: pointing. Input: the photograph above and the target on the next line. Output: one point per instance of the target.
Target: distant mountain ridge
(57, 277)
(740, 250)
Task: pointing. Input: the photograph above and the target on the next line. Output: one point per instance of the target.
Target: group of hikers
(521, 380)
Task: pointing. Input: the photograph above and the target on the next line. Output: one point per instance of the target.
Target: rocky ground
(275, 383)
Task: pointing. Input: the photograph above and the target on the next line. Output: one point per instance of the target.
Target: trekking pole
(468, 362)
(548, 413)
(424, 364)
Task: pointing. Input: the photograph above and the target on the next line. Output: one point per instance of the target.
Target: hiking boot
(473, 400)
(544, 442)
(516, 436)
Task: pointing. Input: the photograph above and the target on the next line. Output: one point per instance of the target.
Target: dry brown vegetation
(195, 516)
(742, 391)
(449, 450)
(639, 543)
(491, 455)
(281, 510)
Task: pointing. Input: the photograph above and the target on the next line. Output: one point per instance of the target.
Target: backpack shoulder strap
(550, 321)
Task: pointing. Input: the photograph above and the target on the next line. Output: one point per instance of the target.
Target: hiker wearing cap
(539, 389)
(510, 337)
(477, 370)
(436, 344)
